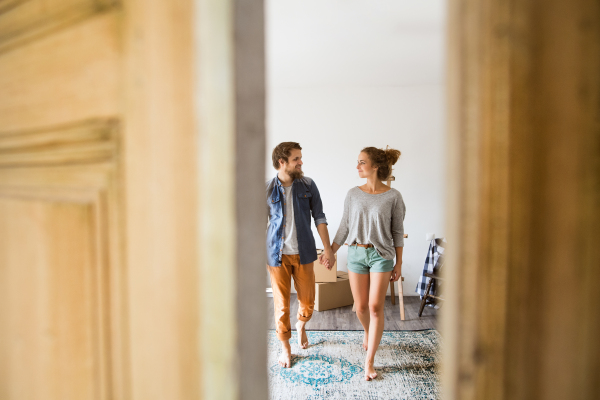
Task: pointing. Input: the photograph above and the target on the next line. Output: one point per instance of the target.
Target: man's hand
(324, 261)
(327, 259)
(396, 272)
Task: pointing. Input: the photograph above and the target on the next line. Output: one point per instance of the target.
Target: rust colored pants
(281, 282)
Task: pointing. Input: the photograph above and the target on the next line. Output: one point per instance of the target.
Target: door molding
(78, 163)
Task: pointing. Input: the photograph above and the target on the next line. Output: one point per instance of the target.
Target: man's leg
(304, 282)
(281, 285)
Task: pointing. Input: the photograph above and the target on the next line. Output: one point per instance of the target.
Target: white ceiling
(355, 42)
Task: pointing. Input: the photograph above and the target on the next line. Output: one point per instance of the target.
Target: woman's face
(364, 167)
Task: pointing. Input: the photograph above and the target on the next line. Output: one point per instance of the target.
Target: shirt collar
(278, 182)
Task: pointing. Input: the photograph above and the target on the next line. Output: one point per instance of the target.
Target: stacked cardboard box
(322, 274)
(336, 294)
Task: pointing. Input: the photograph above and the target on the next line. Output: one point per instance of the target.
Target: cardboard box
(322, 274)
(333, 294)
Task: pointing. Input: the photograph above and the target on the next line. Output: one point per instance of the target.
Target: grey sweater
(376, 219)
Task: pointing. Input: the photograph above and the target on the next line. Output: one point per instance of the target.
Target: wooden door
(119, 278)
(60, 168)
(97, 246)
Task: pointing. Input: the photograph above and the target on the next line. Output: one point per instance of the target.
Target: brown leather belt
(362, 245)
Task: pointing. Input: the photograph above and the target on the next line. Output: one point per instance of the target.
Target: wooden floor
(343, 319)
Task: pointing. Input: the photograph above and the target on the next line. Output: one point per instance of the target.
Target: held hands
(324, 261)
(327, 259)
(396, 272)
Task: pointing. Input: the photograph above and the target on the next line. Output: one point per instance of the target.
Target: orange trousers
(281, 282)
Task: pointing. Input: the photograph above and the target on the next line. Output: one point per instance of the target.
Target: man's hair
(283, 151)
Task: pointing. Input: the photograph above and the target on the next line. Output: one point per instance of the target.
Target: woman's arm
(341, 235)
(335, 247)
(344, 228)
(397, 272)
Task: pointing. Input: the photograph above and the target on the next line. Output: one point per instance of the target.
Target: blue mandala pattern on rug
(332, 367)
(318, 370)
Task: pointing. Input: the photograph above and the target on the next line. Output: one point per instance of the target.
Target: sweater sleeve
(342, 232)
(398, 213)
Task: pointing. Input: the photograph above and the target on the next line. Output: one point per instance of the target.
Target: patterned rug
(332, 367)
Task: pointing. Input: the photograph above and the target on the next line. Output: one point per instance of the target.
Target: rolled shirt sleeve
(316, 205)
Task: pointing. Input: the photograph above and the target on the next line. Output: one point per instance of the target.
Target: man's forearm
(324, 234)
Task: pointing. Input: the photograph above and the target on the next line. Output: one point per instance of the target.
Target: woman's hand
(324, 261)
(327, 259)
(396, 272)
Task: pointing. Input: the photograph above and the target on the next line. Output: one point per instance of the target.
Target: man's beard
(295, 174)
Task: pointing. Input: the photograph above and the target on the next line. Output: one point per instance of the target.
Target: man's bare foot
(366, 341)
(285, 358)
(302, 338)
(369, 370)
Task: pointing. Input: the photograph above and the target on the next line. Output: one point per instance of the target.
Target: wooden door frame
(206, 96)
(524, 200)
(231, 107)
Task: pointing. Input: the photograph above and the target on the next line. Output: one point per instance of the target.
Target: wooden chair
(427, 295)
(400, 292)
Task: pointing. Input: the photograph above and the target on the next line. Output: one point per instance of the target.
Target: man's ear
(281, 162)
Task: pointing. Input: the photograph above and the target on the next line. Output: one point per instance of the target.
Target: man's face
(294, 165)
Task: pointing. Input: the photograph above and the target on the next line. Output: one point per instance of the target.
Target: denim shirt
(306, 200)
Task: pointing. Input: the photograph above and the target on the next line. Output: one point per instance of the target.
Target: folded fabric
(433, 263)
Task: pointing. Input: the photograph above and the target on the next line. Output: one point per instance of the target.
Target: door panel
(48, 310)
(98, 240)
(23, 20)
(61, 281)
(62, 325)
(68, 76)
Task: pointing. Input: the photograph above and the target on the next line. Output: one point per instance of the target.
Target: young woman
(373, 227)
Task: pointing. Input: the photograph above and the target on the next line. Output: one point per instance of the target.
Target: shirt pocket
(304, 199)
(275, 210)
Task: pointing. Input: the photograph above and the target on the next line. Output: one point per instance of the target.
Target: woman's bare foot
(366, 341)
(285, 358)
(302, 338)
(370, 370)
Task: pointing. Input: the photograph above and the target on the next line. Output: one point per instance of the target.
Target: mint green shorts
(363, 260)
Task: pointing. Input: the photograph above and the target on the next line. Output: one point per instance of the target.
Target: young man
(291, 250)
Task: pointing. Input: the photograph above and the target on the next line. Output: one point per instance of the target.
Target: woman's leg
(377, 291)
(359, 283)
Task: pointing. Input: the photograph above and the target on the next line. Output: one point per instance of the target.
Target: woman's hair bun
(392, 155)
(383, 160)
